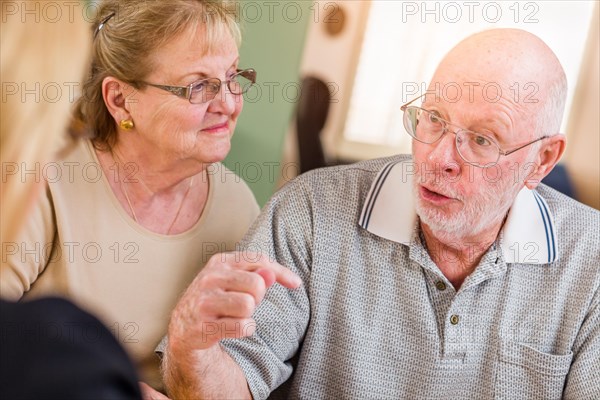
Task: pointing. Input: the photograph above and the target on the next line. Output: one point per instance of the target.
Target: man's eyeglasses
(206, 89)
(475, 148)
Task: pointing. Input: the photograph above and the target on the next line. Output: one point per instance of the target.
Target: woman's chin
(216, 154)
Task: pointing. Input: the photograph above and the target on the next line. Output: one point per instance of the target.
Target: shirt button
(454, 319)
(440, 285)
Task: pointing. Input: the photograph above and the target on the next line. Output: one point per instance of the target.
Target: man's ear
(546, 158)
(117, 96)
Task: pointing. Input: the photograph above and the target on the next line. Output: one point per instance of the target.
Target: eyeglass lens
(207, 89)
(427, 127)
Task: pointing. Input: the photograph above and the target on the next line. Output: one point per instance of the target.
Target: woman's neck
(166, 200)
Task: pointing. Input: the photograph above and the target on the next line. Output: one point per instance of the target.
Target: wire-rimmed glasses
(205, 90)
(476, 149)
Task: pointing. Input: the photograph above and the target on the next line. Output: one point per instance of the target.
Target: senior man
(451, 274)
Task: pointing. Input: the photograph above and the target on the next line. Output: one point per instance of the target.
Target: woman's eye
(232, 74)
(198, 87)
(207, 86)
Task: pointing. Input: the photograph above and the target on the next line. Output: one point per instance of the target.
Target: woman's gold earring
(126, 124)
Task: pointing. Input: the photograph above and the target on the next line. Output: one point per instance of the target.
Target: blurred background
(333, 75)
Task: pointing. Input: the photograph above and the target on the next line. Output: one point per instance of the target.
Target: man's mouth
(433, 196)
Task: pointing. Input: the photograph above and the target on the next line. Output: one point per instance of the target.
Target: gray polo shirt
(375, 317)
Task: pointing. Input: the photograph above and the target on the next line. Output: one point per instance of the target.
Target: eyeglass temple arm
(412, 101)
(505, 153)
(181, 91)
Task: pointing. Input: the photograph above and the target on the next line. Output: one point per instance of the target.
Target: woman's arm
(24, 259)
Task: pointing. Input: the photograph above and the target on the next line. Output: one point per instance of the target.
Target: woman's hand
(148, 393)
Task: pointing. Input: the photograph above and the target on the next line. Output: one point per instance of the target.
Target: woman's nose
(224, 102)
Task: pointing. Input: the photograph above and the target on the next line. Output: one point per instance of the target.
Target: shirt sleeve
(24, 259)
(284, 232)
(583, 380)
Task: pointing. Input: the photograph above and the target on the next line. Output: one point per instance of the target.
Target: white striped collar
(527, 237)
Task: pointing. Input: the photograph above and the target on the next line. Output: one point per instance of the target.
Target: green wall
(273, 41)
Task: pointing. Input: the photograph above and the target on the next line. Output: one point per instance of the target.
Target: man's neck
(457, 257)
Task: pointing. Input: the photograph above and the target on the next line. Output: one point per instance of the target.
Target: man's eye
(482, 141)
(434, 118)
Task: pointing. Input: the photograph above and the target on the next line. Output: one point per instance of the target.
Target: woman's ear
(547, 157)
(117, 94)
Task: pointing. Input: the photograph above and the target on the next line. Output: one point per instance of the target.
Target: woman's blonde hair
(126, 35)
(41, 60)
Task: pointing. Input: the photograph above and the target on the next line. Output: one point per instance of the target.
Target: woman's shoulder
(230, 190)
(79, 179)
(77, 164)
(227, 181)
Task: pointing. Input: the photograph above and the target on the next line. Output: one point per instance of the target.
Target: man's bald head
(521, 64)
(484, 130)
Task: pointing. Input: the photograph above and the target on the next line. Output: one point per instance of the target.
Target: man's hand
(220, 301)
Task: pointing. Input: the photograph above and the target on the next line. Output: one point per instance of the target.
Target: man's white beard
(481, 210)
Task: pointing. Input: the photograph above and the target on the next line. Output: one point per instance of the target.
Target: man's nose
(444, 154)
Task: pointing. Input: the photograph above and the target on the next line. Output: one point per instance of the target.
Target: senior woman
(131, 215)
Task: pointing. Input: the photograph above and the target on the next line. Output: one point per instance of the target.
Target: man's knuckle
(247, 304)
(256, 283)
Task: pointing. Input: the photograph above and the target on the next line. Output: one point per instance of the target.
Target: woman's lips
(217, 128)
(434, 197)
